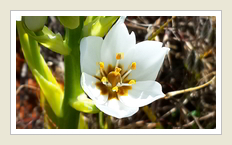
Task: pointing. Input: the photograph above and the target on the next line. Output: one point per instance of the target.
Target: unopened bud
(34, 23)
(71, 22)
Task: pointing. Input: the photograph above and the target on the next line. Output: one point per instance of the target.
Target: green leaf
(53, 94)
(50, 40)
(39, 68)
(89, 19)
(98, 26)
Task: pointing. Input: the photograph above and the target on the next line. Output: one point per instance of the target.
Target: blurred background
(191, 62)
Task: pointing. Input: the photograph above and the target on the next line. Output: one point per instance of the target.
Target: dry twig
(26, 86)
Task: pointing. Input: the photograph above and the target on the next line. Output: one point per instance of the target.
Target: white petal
(118, 40)
(149, 57)
(88, 83)
(142, 93)
(90, 48)
(116, 109)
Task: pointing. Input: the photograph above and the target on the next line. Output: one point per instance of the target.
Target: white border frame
(218, 130)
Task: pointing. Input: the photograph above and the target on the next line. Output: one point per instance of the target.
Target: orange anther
(119, 56)
(133, 65)
(101, 65)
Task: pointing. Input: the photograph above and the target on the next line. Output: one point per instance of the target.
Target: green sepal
(71, 22)
(50, 40)
(53, 93)
(83, 104)
(98, 26)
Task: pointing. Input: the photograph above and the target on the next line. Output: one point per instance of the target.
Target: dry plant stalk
(174, 93)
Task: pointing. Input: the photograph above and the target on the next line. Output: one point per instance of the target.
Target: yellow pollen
(101, 65)
(131, 82)
(115, 89)
(133, 65)
(117, 69)
(116, 73)
(104, 79)
(119, 56)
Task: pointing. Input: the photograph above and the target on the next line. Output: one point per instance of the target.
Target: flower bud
(71, 22)
(84, 104)
(34, 23)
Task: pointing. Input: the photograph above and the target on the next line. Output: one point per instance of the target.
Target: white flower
(118, 74)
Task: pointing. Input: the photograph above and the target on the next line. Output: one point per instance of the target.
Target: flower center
(113, 81)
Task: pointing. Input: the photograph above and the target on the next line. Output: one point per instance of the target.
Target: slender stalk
(161, 28)
(174, 93)
(101, 119)
(149, 113)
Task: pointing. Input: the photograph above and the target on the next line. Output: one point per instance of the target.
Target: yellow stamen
(131, 82)
(133, 65)
(101, 65)
(119, 56)
(104, 80)
(117, 69)
(115, 89)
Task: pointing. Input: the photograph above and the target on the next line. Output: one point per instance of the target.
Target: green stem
(72, 87)
(101, 120)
